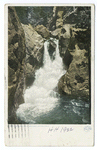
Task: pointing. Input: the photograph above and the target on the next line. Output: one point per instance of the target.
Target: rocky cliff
(76, 81)
(16, 59)
(71, 25)
(34, 52)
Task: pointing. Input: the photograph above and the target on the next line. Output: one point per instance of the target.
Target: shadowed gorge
(49, 61)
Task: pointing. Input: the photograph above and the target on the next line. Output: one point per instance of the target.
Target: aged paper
(49, 75)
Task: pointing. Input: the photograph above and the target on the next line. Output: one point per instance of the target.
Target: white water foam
(41, 98)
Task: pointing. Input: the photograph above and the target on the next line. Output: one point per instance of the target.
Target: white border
(48, 4)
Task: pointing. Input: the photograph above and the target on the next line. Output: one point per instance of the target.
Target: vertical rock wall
(34, 52)
(16, 59)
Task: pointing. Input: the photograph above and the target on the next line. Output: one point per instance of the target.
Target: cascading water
(43, 105)
(41, 97)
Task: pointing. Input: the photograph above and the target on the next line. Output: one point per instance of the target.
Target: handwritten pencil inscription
(60, 129)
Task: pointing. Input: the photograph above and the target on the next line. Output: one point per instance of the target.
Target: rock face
(74, 44)
(37, 15)
(56, 33)
(52, 49)
(34, 52)
(77, 79)
(62, 32)
(80, 16)
(16, 58)
(43, 31)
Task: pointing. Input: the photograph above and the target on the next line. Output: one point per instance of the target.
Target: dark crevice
(79, 79)
(13, 64)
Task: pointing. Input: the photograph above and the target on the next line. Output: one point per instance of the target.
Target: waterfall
(41, 98)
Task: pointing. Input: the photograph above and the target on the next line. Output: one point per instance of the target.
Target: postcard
(49, 75)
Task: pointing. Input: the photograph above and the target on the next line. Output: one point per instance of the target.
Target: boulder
(56, 33)
(43, 31)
